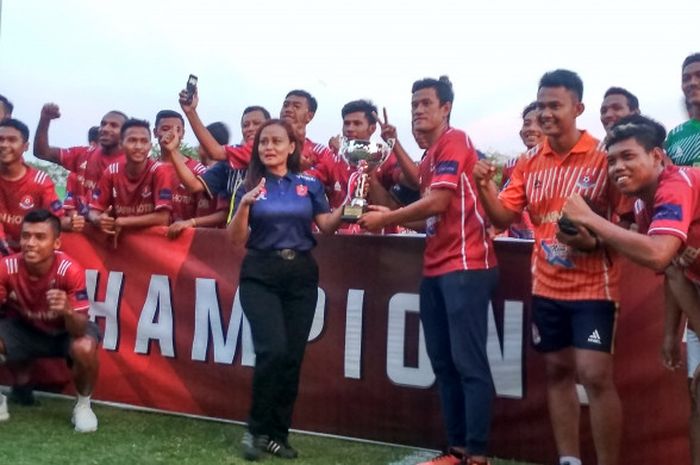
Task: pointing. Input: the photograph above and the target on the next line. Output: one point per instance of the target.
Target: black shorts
(23, 342)
(583, 324)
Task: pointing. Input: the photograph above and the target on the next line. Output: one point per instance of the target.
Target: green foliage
(56, 172)
(185, 148)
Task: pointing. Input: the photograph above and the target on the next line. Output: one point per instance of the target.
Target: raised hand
(388, 130)
(254, 194)
(188, 106)
(50, 111)
(484, 171)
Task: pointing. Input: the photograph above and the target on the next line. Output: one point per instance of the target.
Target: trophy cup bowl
(364, 156)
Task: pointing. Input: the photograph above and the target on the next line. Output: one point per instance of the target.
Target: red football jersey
(88, 163)
(239, 155)
(17, 198)
(151, 190)
(457, 239)
(185, 203)
(26, 294)
(676, 210)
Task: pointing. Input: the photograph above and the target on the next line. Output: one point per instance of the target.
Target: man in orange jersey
(575, 280)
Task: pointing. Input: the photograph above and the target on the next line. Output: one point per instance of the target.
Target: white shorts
(693, 349)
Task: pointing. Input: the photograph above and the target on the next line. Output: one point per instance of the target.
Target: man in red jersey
(46, 291)
(575, 281)
(22, 187)
(136, 193)
(617, 103)
(459, 272)
(667, 212)
(88, 163)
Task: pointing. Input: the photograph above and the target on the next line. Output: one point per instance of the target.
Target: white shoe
(84, 419)
(4, 415)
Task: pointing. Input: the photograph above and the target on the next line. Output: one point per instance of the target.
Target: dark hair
(17, 124)
(134, 123)
(118, 113)
(93, 134)
(632, 100)
(532, 106)
(694, 58)
(7, 104)
(253, 108)
(162, 114)
(442, 86)
(647, 132)
(364, 106)
(41, 215)
(563, 78)
(219, 132)
(256, 169)
(310, 100)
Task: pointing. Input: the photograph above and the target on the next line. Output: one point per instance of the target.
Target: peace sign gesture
(388, 131)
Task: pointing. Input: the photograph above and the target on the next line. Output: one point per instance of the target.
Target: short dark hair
(694, 58)
(93, 134)
(162, 114)
(310, 100)
(119, 113)
(7, 104)
(646, 131)
(532, 106)
(17, 124)
(253, 108)
(135, 123)
(219, 132)
(364, 106)
(563, 78)
(632, 100)
(442, 86)
(41, 215)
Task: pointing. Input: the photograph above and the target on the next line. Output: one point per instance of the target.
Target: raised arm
(42, 149)
(203, 135)
(500, 216)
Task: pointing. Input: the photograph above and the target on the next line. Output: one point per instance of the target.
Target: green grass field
(43, 434)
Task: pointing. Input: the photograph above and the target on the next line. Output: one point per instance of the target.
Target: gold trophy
(364, 156)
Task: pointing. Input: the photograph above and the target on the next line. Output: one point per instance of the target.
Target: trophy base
(352, 213)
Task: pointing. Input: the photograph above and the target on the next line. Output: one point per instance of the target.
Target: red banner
(175, 339)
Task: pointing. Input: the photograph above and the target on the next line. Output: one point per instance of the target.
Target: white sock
(568, 460)
(85, 400)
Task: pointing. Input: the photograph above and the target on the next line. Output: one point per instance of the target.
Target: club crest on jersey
(302, 190)
(26, 202)
(585, 182)
(556, 253)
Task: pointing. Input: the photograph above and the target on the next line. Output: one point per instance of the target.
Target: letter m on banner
(207, 320)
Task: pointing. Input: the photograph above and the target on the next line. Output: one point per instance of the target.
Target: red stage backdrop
(175, 339)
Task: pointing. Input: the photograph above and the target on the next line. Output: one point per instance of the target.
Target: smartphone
(191, 87)
(567, 227)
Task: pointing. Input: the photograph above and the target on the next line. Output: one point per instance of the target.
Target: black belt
(285, 254)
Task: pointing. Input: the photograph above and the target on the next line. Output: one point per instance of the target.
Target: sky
(135, 56)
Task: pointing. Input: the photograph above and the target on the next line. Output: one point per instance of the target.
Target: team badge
(262, 195)
(26, 202)
(302, 190)
(585, 182)
(556, 253)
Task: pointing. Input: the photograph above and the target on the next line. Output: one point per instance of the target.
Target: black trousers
(279, 299)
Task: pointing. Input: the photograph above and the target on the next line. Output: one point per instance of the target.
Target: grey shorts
(23, 342)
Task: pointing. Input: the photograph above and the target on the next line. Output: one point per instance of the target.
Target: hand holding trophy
(365, 156)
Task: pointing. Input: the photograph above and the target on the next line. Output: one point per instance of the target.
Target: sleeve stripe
(667, 231)
(445, 183)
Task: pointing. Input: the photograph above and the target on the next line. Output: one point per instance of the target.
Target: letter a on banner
(156, 320)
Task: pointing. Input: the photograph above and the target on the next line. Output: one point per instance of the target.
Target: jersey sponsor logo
(165, 194)
(302, 190)
(556, 253)
(10, 219)
(26, 202)
(128, 210)
(446, 167)
(668, 211)
(585, 182)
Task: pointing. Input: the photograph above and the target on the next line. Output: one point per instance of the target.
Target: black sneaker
(253, 446)
(281, 449)
(22, 395)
